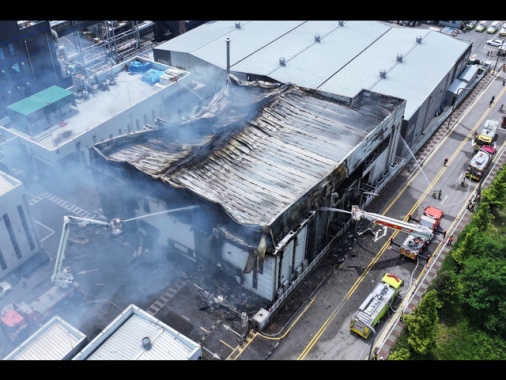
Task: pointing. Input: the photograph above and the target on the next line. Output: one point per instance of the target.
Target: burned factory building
(249, 181)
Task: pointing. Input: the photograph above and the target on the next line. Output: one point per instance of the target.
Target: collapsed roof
(256, 148)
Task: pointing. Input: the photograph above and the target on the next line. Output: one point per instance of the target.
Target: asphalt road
(321, 330)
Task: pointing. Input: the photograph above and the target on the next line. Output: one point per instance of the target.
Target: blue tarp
(139, 67)
(152, 76)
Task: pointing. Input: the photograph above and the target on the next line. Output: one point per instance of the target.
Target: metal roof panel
(257, 164)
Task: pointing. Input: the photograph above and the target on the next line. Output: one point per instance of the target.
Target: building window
(2, 261)
(14, 241)
(24, 222)
(11, 50)
(2, 53)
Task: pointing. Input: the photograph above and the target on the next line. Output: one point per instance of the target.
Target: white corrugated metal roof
(54, 341)
(247, 40)
(423, 66)
(347, 59)
(310, 63)
(123, 340)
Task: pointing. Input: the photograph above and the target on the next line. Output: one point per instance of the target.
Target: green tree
(467, 245)
(484, 286)
(496, 193)
(400, 354)
(422, 324)
(483, 216)
(449, 292)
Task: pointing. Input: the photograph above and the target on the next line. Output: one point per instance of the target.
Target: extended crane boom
(62, 276)
(417, 230)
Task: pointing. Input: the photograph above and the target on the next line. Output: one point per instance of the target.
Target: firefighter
(450, 240)
(445, 162)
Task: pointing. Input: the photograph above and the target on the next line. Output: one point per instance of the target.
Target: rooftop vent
(419, 39)
(282, 61)
(238, 25)
(383, 74)
(399, 57)
(317, 38)
(146, 343)
(341, 23)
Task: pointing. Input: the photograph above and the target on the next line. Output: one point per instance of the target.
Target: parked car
(502, 32)
(5, 288)
(495, 42)
(470, 24)
(482, 25)
(494, 27)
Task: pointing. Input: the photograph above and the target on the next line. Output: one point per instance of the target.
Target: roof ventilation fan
(146, 343)
(317, 38)
(399, 57)
(383, 74)
(282, 61)
(238, 25)
(419, 39)
(341, 23)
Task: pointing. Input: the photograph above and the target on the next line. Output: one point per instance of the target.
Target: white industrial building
(258, 168)
(270, 231)
(51, 131)
(18, 235)
(339, 57)
(55, 340)
(137, 335)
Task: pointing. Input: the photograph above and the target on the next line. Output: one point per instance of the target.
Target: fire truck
(420, 234)
(413, 246)
(487, 135)
(19, 320)
(375, 306)
(480, 162)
